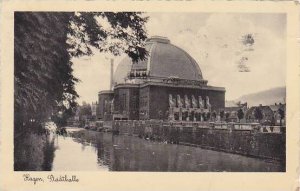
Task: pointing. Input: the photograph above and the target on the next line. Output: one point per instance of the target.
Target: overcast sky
(215, 41)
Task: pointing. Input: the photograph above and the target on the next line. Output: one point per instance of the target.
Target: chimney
(111, 73)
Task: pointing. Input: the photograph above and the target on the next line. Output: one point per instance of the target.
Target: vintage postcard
(138, 95)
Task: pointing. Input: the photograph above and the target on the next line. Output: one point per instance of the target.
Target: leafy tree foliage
(208, 115)
(227, 114)
(214, 115)
(240, 114)
(85, 110)
(44, 44)
(281, 115)
(84, 113)
(258, 114)
(204, 116)
(222, 113)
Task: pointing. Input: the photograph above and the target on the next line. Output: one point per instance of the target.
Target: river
(84, 150)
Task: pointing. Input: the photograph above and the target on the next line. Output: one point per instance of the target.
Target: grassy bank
(33, 152)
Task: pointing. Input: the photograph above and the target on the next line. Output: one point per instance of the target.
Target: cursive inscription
(28, 178)
(63, 178)
(50, 178)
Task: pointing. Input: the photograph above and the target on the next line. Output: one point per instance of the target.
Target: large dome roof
(165, 60)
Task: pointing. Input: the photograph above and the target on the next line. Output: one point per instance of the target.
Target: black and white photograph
(138, 91)
(153, 96)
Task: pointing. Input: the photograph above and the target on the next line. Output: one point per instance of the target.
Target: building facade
(270, 114)
(232, 112)
(168, 85)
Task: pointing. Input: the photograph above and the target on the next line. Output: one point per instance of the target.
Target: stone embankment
(266, 142)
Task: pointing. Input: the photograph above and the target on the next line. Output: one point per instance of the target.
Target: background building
(232, 111)
(167, 85)
(269, 114)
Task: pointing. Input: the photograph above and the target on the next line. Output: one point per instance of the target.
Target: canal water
(84, 150)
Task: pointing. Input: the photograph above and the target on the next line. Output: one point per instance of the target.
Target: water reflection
(89, 150)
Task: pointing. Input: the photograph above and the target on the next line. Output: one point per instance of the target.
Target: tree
(222, 113)
(258, 114)
(85, 110)
(85, 113)
(44, 44)
(214, 115)
(227, 116)
(208, 115)
(240, 114)
(203, 116)
(281, 115)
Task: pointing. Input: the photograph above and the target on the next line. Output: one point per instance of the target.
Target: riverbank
(34, 147)
(106, 151)
(34, 152)
(101, 151)
(255, 141)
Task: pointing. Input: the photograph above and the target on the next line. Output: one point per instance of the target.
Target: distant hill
(267, 97)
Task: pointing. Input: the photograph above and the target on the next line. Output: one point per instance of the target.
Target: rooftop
(165, 60)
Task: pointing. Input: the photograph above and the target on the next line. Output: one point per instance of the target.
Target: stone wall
(262, 142)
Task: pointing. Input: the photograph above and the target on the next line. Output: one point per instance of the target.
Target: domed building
(167, 85)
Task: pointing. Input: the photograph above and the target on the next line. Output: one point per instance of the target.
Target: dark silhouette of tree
(46, 42)
(240, 114)
(166, 115)
(208, 115)
(214, 115)
(85, 113)
(281, 115)
(203, 116)
(227, 116)
(85, 110)
(222, 113)
(258, 114)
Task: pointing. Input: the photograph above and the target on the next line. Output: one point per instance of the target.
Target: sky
(217, 42)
